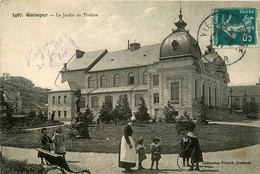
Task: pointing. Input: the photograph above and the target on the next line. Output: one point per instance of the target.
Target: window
(103, 81)
(59, 99)
(65, 113)
(156, 98)
(58, 113)
(116, 80)
(94, 102)
(209, 95)
(237, 100)
(138, 100)
(131, 78)
(91, 82)
(175, 91)
(145, 78)
(53, 112)
(203, 90)
(53, 99)
(121, 98)
(65, 99)
(109, 100)
(156, 79)
(196, 90)
(215, 97)
(252, 100)
(244, 100)
(82, 102)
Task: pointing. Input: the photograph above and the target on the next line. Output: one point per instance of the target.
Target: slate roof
(85, 61)
(250, 90)
(65, 86)
(145, 55)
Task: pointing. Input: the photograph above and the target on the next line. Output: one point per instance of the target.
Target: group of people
(57, 140)
(190, 148)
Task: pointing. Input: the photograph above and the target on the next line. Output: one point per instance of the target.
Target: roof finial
(180, 24)
(180, 15)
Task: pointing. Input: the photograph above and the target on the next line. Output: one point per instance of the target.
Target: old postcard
(129, 86)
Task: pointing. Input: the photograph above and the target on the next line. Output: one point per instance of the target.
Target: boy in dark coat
(45, 143)
(196, 154)
(186, 154)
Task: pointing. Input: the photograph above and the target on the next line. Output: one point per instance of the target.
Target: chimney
(65, 67)
(128, 45)
(134, 46)
(258, 82)
(79, 54)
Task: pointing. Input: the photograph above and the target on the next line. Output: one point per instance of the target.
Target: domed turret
(179, 43)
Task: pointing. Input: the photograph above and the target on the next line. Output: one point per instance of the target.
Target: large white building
(173, 71)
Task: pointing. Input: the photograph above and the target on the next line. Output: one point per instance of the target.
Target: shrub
(185, 124)
(106, 113)
(17, 167)
(142, 114)
(169, 113)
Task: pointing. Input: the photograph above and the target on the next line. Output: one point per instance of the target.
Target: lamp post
(230, 91)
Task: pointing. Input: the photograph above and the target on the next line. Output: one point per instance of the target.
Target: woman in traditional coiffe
(127, 151)
(196, 154)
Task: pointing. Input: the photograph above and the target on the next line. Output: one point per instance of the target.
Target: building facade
(242, 94)
(173, 71)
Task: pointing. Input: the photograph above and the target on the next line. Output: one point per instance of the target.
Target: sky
(37, 47)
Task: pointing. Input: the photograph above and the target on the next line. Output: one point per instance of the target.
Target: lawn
(105, 138)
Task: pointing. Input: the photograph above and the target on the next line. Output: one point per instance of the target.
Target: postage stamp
(235, 27)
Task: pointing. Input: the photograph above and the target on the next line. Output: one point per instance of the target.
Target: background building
(171, 71)
(242, 94)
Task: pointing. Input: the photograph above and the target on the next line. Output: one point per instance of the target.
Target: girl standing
(141, 152)
(59, 145)
(156, 150)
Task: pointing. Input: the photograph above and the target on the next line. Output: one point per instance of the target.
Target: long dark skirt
(196, 155)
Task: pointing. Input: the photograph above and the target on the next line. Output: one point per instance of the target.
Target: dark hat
(156, 138)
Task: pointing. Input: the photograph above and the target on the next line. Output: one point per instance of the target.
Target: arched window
(109, 100)
(215, 96)
(103, 81)
(138, 100)
(82, 102)
(116, 80)
(209, 95)
(91, 82)
(131, 78)
(203, 91)
(94, 102)
(121, 98)
(196, 90)
(145, 78)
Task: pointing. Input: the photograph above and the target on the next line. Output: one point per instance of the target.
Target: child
(196, 154)
(141, 152)
(59, 145)
(156, 150)
(186, 154)
(45, 143)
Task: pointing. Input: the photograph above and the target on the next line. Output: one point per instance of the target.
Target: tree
(170, 113)
(106, 113)
(185, 124)
(142, 114)
(125, 109)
